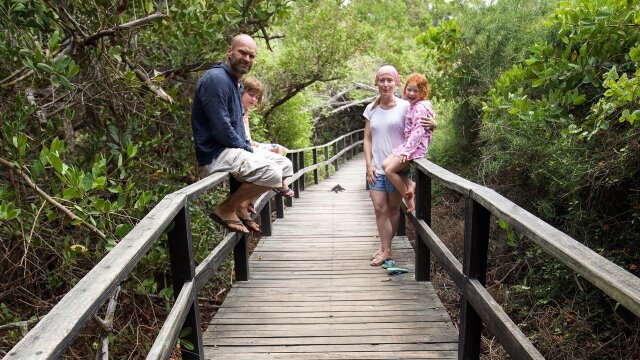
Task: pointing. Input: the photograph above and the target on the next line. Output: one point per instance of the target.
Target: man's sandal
(286, 193)
(227, 222)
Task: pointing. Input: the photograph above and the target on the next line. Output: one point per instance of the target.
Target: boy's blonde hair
(250, 83)
(421, 82)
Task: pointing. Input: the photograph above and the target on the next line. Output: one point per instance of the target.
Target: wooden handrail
(477, 303)
(55, 332)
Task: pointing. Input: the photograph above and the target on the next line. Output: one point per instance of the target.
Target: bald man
(220, 140)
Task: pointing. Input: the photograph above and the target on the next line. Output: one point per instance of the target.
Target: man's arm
(214, 103)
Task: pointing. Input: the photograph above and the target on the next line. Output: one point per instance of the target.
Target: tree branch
(293, 92)
(184, 69)
(126, 26)
(4, 83)
(351, 104)
(51, 200)
(32, 100)
(22, 325)
(154, 88)
(107, 326)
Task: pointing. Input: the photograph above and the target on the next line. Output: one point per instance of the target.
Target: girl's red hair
(421, 82)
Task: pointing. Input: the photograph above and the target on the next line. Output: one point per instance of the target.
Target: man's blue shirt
(216, 115)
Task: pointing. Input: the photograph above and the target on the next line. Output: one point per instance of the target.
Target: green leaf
(65, 82)
(579, 99)
(99, 182)
(122, 230)
(87, 182)
(635, 53)
(185, 332)
(9, 212)
(71, 193)
(55, 161)
(57, 146)
(44, 67)
(132, 150)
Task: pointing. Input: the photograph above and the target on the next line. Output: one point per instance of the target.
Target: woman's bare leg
(387, 209)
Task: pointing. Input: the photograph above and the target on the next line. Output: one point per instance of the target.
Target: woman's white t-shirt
(387, 130)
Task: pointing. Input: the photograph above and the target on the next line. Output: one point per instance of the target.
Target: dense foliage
(551, 112)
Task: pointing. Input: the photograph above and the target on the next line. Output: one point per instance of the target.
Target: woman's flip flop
(396, 271)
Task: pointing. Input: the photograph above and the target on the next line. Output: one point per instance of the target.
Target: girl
(416, 138)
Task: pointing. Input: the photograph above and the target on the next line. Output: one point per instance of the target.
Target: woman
(383, 131)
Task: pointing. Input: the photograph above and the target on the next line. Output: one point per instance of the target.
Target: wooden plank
(320, 340)
(428, 317)
(338, 326)
(218, 354)
(441, 328)
(329, 348)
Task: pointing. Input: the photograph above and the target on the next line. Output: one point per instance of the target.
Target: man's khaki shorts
(246, 167)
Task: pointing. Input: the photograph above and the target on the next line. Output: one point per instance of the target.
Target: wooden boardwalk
(313, 295)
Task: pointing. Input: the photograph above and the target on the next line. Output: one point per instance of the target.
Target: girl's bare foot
(411, 200)
(375, 254)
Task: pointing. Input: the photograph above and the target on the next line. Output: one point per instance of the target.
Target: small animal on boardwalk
(337, 188)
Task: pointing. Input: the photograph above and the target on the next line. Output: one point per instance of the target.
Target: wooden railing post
(301, 166)
(353, 149)
(314, 154)
(423, 211)
(474, 266)
(402, 228)
(182, 271)
(344, 146)
(279, 199)
(326, 157)
(265, 219)
(335, 152)
(241, 258)
(296, 183)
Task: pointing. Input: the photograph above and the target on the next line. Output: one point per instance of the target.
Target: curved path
(313, 295)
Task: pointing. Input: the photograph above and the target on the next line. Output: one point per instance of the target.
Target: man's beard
(237, 66)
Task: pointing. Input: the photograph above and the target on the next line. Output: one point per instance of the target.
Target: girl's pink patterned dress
(416, 138)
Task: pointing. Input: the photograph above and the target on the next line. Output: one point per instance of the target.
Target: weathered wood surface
(313, 295)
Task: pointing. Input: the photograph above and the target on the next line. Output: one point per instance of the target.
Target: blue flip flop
(388, 263)
(396, 270)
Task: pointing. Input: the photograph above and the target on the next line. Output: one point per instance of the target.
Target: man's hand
(429, 123)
